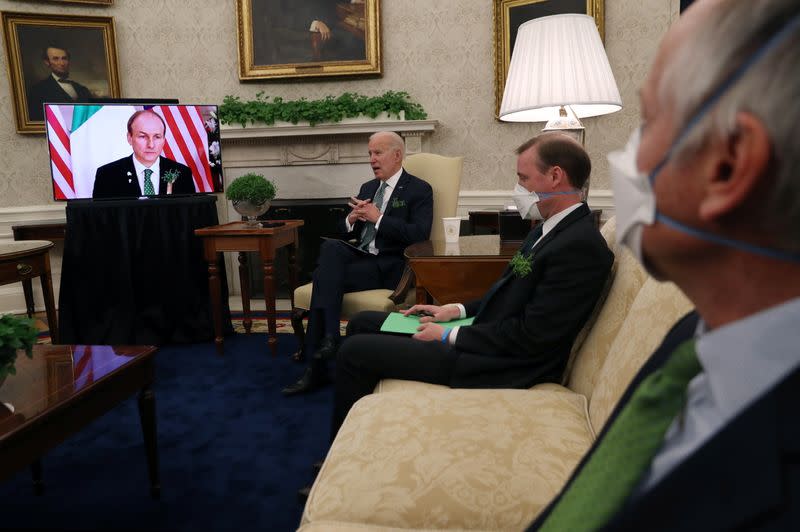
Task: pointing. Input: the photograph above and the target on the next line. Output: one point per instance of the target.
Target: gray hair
(395, 141)
(768, 89)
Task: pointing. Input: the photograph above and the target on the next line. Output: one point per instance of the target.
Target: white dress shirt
(155, 178)
(387, 194)
(547, 226)
(741, 362)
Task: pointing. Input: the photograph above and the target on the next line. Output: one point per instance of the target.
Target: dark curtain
(133, 272)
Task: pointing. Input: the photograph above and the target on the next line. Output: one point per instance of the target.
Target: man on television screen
(145, 172)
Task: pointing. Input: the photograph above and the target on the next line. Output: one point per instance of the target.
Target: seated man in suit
(145, 172)
(56, 87)
(526, 323)
(708, 195)
(391, 212)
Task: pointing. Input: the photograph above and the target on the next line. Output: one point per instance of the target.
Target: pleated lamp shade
(558, 61)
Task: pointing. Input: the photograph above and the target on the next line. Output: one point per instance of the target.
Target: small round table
(24, 260)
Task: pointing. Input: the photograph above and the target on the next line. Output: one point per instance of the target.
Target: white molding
(251, 132)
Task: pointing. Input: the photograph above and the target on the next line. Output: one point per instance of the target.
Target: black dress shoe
(313, 378)
(303, 493)
(327, 348)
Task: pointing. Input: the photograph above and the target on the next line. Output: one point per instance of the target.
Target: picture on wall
(510, 14)
(95, 2)
(312, 38)
(58, 59)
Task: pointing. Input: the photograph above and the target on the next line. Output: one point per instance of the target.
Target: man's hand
(363, 210)
(324, 30)
(429, 313)
(429, 332)
(355, 214)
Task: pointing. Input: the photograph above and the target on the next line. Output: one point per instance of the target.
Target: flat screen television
(126, 150)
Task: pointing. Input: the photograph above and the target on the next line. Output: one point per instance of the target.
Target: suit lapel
(131, 174)
(398, 192)
(571, 218)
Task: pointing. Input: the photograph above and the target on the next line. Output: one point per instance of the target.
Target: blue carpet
(233, 451)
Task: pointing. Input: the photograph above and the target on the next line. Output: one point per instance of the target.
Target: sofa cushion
(628, 279)
(486, 459)
(654, 311)
(334, 526)
(352, 302)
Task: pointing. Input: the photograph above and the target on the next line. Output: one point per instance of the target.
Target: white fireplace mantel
(326, 160)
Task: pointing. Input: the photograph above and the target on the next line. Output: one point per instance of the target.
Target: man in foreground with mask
(707, 436)
(526, 323)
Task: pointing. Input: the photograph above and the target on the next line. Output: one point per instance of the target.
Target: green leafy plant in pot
(251, 195)
(15, 334)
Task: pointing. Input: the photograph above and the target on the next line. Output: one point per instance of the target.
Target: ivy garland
(329, 109)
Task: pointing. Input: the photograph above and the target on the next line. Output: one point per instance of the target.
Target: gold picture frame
(89, 44)
(509, 14)
(284, 39)
(95, 2)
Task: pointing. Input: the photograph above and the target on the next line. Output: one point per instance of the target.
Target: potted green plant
(251, 195)
(15, 334)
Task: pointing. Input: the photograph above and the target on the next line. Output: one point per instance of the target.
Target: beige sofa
(425, 457)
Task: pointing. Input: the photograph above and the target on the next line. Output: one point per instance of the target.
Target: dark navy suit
(521, 336)
(50, 91)
(746, 477)
(118, 179)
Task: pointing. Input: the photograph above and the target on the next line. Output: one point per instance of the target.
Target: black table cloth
(133, 272)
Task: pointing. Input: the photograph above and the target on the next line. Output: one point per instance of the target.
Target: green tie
(621, 458)
(368, 234)
(148, 185)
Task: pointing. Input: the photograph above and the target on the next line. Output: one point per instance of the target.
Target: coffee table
(460, 271)
(63, 388)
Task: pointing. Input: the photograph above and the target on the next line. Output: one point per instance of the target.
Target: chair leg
(298, 314)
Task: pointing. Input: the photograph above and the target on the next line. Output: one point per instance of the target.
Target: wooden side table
(460, 271)
(21, 262)
(37, 230)
(238, 236)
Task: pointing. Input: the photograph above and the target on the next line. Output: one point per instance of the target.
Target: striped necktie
(368, 233)
(618, 462)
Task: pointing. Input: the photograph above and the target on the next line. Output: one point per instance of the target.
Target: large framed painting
(510, 14)
(311, 38)
(58, 58)
(96, 2)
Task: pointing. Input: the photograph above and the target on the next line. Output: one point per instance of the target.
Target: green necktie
(368, 233)
(148, 184)
(619, 461)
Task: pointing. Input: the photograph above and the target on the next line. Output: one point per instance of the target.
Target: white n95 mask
(526, 203)
(634, 201)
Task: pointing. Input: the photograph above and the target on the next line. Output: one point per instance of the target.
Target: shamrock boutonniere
(170, 176)
(396, 203)
(521, 264)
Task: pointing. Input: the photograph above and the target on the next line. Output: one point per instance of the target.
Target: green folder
(397, 323)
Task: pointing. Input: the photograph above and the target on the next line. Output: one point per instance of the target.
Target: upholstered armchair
(444, 176)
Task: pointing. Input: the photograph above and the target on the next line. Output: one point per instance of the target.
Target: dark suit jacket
(406, 220)
(48, 90)
(525, 331)
(118, 179)
(746, 477)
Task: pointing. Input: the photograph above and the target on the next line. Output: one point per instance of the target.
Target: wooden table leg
(293, 270)
(269, 300)
(244, 283)
(49, 300)
(147, 417)
(27, 289)
(215, 290)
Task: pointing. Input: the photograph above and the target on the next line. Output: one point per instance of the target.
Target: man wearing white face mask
(525, 324)
(707, 436)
